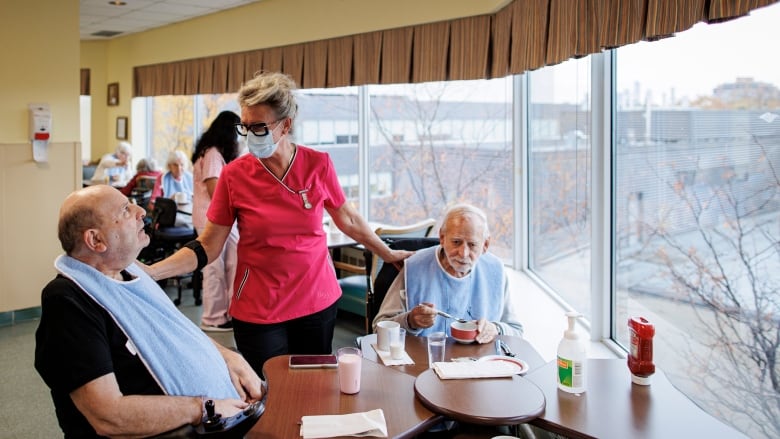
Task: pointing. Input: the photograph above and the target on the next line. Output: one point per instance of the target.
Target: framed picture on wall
(121, 128)
(113, 94)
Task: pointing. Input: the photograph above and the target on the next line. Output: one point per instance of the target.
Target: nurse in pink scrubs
(285, 290)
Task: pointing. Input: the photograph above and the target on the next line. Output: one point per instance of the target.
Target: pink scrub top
(284, 269)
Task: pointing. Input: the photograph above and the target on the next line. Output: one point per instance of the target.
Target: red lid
(641, 326)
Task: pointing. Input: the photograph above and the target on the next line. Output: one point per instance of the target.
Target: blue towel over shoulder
(183, 360)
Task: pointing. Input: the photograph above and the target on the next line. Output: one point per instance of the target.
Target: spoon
(505, 347)
(448, 316)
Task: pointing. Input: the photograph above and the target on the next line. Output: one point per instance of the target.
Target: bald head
(79, 213)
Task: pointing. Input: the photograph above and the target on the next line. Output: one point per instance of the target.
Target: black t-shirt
(76, 342)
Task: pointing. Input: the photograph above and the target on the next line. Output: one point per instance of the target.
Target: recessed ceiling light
(117, 3)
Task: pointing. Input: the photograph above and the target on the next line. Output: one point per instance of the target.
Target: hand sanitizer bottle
(572, 352)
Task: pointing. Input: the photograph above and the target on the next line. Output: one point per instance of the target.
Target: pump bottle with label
(572, 352)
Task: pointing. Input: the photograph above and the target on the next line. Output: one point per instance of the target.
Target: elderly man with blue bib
(459, 277)
(119, 357)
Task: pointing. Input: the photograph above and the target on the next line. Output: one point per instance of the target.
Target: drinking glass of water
(436, 343)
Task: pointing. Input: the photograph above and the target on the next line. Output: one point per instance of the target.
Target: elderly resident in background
(178, 180)
(115, 168)
(286, 289)
(118, 356)
(458, 277)
(144, 168)
(217, 147)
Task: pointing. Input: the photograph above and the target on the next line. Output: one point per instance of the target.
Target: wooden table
(417, 348)
(483, 401)
(499, 401)
(613, 407)
(293, 393)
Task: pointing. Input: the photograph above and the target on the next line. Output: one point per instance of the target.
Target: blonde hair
(273, 89)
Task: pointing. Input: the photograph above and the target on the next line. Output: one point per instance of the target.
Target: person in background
(285, 294)
(115, 168)
(144, 168)
(458, 277)
(119, 357)
(217, 147)
(177, 180)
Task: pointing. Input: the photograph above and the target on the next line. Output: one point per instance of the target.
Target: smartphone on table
(313, 361)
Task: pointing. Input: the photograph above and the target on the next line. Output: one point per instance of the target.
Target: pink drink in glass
(350, 360)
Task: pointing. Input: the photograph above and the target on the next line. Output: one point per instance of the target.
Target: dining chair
(142, 192)
(355, 286)
(383, 275)
(166, 237)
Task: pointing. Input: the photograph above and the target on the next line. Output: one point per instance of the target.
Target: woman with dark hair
(217, 147)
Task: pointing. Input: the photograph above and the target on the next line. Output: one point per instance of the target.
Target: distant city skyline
(683, 58)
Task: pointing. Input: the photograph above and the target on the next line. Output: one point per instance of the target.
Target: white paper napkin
(371, 423)
(475, 369)
(388, 360)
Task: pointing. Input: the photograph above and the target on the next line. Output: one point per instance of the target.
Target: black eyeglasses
(258, 129)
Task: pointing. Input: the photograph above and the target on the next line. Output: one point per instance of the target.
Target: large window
(697, 212)
(559, 174)
(328, 121)
(442, 143)
(176, 122)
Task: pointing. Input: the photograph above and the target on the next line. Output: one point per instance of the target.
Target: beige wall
(269, 23)
(40, 51)
(94, 57)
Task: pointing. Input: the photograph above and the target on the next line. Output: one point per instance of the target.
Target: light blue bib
(180, 357)
(478, 294)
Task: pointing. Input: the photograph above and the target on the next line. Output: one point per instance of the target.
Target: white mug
(385, 331)
(180, 197)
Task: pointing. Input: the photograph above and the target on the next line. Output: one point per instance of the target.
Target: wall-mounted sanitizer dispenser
(40, 131)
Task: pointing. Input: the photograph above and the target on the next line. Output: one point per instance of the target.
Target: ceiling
(109, 20)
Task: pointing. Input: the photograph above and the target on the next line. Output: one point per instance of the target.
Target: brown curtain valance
(524, 35)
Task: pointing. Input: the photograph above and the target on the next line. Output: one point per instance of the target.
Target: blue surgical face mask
(261, 147)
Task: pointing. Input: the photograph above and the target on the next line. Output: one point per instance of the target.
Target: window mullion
(601, 206)
(364, 114)
(520, 176)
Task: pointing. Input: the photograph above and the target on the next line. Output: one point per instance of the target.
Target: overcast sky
(705, 56)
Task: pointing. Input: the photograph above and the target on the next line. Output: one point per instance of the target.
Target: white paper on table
(371, 423)
(474, 369)
(388, 360)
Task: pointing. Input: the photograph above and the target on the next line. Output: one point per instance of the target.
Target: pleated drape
(367, 52)
(524, 35)
(396, 55)
(430, 48)
(469, 48)
(315, 65)
(339, 69)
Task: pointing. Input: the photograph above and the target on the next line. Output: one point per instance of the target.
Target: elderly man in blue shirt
(458, 277)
